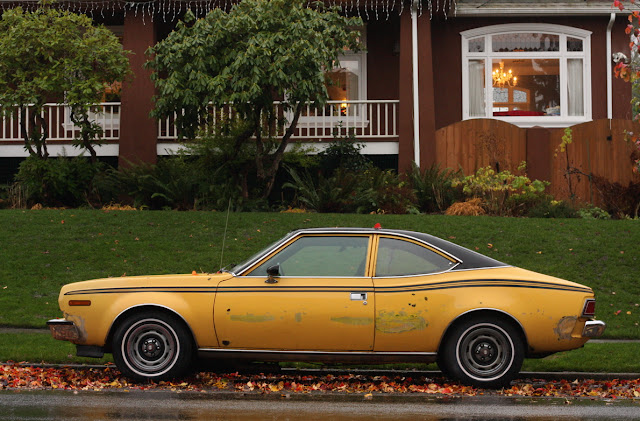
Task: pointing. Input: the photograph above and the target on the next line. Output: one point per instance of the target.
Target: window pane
(574, 44)
(476, 45)
(343, 84)
(344, 81)
(400, 258)
(320, 256)
(525, 42)
(534, 89)
(476, 88)
(575, 87)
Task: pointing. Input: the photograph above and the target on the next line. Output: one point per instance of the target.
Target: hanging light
(502, 78)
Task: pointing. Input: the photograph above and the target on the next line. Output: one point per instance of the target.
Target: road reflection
(141, 405)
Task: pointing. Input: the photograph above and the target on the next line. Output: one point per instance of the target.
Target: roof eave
(559, 10)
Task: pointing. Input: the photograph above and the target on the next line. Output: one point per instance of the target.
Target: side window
(400, 258)
(320, 256)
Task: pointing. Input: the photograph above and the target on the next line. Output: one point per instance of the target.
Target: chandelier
(502, 78)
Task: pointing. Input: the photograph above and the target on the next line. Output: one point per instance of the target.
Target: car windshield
(237, 268)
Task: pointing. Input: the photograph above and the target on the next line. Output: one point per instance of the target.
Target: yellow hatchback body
(348, 295)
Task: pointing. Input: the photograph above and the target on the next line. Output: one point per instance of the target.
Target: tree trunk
(270, 175)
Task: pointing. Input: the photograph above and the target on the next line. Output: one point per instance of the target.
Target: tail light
(589, 309)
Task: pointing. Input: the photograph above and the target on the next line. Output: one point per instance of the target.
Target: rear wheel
(152, 346)
(483, 353)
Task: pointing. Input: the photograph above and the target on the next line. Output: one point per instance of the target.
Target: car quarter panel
(414, 312)
(190, 297)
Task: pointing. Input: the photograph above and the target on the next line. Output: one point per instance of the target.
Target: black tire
(152, 346)
(484, 352)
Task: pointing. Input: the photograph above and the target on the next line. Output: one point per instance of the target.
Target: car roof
(468, 259)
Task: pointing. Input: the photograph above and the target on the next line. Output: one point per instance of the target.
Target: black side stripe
(476, 283)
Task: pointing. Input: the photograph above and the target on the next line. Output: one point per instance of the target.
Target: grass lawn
(43, 249)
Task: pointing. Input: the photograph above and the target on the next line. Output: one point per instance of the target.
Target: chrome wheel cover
(150, 347)
(485, 352)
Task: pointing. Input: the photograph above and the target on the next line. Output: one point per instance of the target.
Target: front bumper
(593, 329)
(63, 330)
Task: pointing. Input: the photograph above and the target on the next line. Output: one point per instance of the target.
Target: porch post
(138, 132)
(427, 99)
(405, 107)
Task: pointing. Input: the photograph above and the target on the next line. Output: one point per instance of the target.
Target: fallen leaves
(18, 376)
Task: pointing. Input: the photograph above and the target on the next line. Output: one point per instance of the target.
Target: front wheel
(483, 353)
(152, 346)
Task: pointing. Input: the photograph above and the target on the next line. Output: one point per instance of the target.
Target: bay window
(527, 74)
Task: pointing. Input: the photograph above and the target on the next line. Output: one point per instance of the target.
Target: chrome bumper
(593, 329)
(63, 330)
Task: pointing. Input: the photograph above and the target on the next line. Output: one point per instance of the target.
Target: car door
(322, 298)
(403, 271)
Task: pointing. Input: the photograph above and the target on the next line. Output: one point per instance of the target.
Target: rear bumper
(593, 329)
(63, 330)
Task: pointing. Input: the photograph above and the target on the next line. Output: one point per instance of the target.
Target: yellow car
(335, 294)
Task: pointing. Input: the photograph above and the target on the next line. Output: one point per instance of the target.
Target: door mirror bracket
(272, 271)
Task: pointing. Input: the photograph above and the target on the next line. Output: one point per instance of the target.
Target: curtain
(476, 88)
(575, 87)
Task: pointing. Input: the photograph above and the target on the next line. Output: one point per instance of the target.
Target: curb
(524, 376)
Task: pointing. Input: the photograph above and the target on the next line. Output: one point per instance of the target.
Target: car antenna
(224, 237)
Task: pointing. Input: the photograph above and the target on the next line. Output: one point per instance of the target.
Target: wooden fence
(599, 148)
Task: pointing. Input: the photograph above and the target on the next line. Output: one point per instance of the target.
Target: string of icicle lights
(170, 10)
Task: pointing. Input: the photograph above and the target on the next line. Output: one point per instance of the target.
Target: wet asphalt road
(152, 405)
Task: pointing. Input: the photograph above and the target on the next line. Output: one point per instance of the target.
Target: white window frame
(563, 120)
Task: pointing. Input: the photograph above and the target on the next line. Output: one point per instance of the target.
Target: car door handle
(358, 296)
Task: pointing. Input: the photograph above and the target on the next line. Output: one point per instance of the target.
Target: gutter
(612, 19)
(414, 76)
(484, 8)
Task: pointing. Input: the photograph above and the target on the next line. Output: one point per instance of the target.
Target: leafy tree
(53, 54)
(259, 52)
(630, 71)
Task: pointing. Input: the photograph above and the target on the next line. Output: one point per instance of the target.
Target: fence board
(598, 148)
(476, 143)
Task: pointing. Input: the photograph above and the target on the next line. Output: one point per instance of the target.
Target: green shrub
(593, 212)
(324, 194)
(60, 181)
(433, 187)
(382, 191)
(549, 208)
(502, 193)
(343, 153)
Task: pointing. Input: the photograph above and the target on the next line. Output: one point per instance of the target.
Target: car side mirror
(273, 271)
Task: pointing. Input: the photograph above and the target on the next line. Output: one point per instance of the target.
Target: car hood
(129, 282)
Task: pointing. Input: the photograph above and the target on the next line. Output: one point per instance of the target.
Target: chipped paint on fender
(392, 322)
(565, 327)
(355, 321)
(252, 318)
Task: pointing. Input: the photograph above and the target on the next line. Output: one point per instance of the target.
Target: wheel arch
(142, 308)
(483, 312)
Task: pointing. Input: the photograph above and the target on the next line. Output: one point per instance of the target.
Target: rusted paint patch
(354, 321)
(392, 322)
(565, 327)
(252, 318)
(78, 321)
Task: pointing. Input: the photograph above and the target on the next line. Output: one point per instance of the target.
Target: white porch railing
(59, 125)
(376, 119)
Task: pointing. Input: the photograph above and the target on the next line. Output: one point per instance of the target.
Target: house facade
(437, 77)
